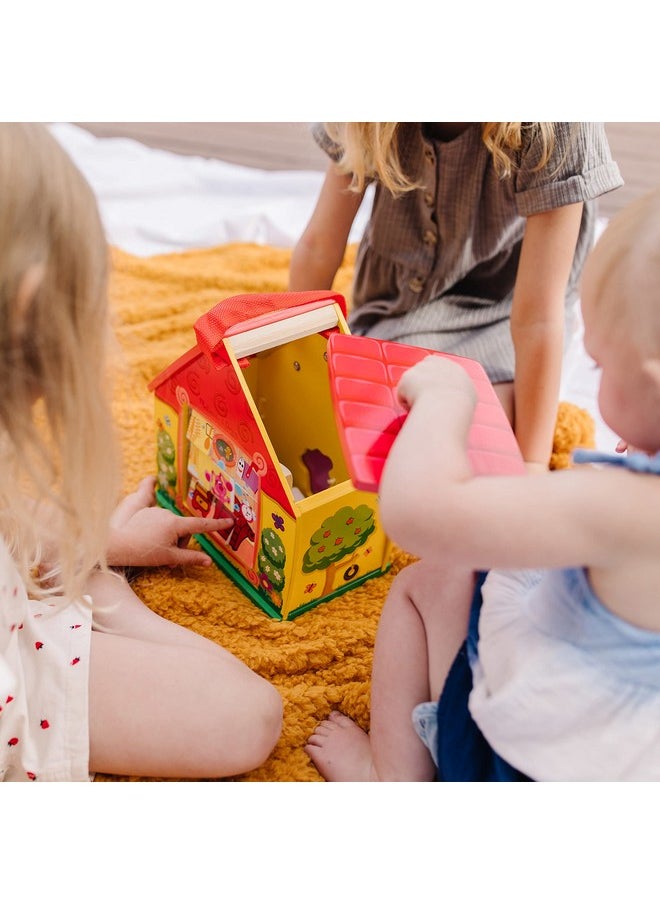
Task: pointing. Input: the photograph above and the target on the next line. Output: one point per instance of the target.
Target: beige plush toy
(575, 429)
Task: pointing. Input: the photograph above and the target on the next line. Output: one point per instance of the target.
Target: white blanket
(155, 202)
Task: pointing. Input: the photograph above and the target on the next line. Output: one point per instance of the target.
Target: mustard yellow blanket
(322, 659)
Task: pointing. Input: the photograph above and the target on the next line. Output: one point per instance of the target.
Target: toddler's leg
(166, 702)
(422, 626)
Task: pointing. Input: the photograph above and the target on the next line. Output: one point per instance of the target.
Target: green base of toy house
(248, 589)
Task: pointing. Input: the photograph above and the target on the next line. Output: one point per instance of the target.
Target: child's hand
(622, 446)
(435, 374)
(142, 533)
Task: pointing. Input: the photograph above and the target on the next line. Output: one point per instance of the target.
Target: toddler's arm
(320, 250)
(142, 533)
(430, 449)
(433, 505)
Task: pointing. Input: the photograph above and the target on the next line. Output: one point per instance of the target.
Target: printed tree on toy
(271, 560)
(337, 537)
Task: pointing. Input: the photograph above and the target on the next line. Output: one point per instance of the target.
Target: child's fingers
(146, 487)
(188, 526)
(142, 497)
(185, 556)
(125, 510)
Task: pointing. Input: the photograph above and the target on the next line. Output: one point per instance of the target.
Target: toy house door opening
(290, 387)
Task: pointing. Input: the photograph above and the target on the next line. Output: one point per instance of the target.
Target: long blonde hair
(58, 480)
(370, 150)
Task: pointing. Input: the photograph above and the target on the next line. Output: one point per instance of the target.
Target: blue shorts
(459, 750)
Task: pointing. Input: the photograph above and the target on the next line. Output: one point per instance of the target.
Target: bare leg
(166, 702)
(422, 626)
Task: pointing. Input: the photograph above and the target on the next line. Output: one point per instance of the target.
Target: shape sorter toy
(280, 418)
(246, 427)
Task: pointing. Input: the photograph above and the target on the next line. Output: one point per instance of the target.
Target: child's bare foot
(340, 750)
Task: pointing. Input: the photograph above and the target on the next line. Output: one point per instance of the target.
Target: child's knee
(259, 728)
(431, 588)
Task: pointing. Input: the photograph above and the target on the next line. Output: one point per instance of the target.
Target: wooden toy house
(245, 426)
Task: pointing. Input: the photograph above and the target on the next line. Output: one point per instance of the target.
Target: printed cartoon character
(223, 495)
(243, 517)
(214, 502)
(248, 474)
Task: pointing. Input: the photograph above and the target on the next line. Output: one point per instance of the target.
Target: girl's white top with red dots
(44, 683)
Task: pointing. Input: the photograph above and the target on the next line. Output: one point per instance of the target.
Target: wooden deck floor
(288, 145)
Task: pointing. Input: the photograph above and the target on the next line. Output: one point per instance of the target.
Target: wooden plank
(288, 145)
(635, 147)
(264, 145)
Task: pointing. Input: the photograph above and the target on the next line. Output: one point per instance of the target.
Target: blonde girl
(475, 245)
(90, 678)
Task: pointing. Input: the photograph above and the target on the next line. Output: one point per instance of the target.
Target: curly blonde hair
(369, 150)
(58, 481)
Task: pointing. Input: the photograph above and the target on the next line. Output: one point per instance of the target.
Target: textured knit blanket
(322, 659)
